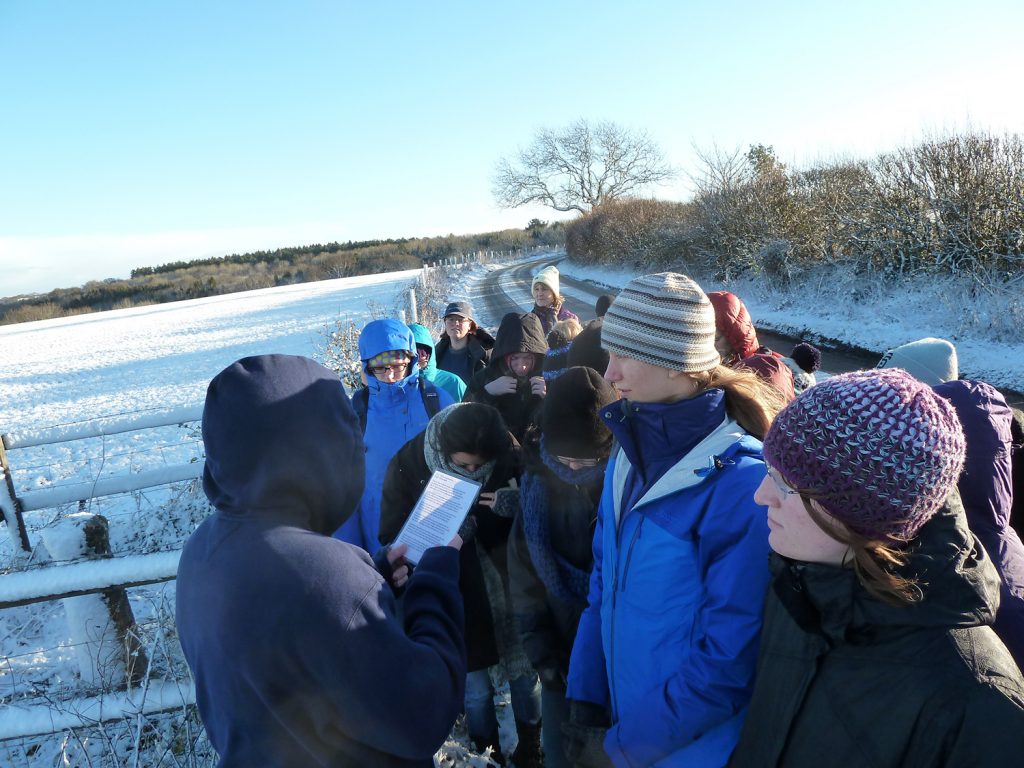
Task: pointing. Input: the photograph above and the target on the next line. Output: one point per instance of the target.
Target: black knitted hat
(570, 420)
(586, 348)
(806, 356)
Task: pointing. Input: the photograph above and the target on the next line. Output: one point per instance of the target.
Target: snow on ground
(986, 327)
(127, 363)
(84, 370)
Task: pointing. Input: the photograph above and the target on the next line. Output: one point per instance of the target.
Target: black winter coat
(480, 345)
(517, 333)
(405, 480)
(846, 680)
(548, 624)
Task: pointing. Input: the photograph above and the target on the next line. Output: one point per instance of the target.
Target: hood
(986, 482)
(422, 336)
(733, 321)
(385, 335)
(958, 579)
(519, 333)
(277, 430)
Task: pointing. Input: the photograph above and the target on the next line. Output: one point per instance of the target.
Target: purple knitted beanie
(878, 450)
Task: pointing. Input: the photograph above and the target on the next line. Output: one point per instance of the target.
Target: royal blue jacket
(298, 657)
(669, 639)
(395, 414)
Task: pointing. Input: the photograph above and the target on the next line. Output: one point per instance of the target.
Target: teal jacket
(445, 380)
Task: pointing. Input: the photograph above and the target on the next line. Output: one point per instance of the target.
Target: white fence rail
(126, 693)
(14, 506)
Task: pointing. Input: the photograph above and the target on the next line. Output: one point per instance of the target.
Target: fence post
(10, 506)
(102, 626)
(414, 316)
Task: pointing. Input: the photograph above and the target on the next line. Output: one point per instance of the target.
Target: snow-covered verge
(831, 306)
(77, 376)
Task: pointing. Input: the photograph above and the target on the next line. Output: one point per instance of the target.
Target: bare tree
(580, 167)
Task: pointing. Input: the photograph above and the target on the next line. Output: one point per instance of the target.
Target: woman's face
(723, 347)
(792, 531)
(470, 462)
(543, 296)
(645, 383)
(520, 364)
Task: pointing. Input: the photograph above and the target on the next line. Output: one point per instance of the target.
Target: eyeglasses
(782, 486)
(456, 320)
(568, 461)
(397, 369)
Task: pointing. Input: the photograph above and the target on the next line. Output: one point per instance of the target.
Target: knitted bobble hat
(878, 450)
(549, 277)
(665, 320)
(807, 356)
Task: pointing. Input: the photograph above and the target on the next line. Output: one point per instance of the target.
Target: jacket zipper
(615, 592)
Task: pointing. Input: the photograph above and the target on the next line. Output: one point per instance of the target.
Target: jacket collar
(693, 468)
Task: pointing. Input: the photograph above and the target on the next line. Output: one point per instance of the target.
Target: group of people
(687, 550)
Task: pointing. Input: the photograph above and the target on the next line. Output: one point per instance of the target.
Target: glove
(506, 502)
(583, 734)
(468, 529)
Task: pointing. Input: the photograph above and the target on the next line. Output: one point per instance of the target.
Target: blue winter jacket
(669, 639)
(395, 414)
(292, 636)
(445, 380)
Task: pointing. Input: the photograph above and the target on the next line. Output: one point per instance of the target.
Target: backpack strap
(431, 400)
(361, 404)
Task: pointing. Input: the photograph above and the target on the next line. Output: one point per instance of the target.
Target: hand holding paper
(438, 514)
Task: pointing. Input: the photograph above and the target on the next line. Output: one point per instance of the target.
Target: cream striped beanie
(665, 320)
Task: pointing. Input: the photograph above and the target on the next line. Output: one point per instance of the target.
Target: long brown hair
(749, 399)
(875, 562)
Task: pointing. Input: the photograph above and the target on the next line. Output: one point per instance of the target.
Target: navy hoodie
(291, 635)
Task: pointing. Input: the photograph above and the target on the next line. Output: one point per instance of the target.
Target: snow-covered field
(70, 371)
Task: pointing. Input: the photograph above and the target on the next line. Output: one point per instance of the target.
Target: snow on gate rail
(83, 579)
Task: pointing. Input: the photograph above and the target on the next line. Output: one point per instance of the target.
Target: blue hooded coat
(395, 414)
(445, 380)
(669, 639)
(289, 633)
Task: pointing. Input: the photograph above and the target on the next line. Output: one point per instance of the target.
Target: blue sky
(136, 133)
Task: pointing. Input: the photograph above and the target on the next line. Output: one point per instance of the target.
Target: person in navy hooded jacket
(291, 635)
(666, 649)
(394, 407)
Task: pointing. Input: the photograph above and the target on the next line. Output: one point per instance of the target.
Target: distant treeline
(265, 269)
(949, 206)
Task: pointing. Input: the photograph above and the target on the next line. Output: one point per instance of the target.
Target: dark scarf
(564, 581)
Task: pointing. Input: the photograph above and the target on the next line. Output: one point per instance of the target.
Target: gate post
(102, 625)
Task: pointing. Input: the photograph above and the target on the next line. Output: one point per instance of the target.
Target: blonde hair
(570, 328)
(749, 399)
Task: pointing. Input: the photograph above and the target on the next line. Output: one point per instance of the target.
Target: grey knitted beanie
(665, 320)
(930, 360)
(878, 450)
